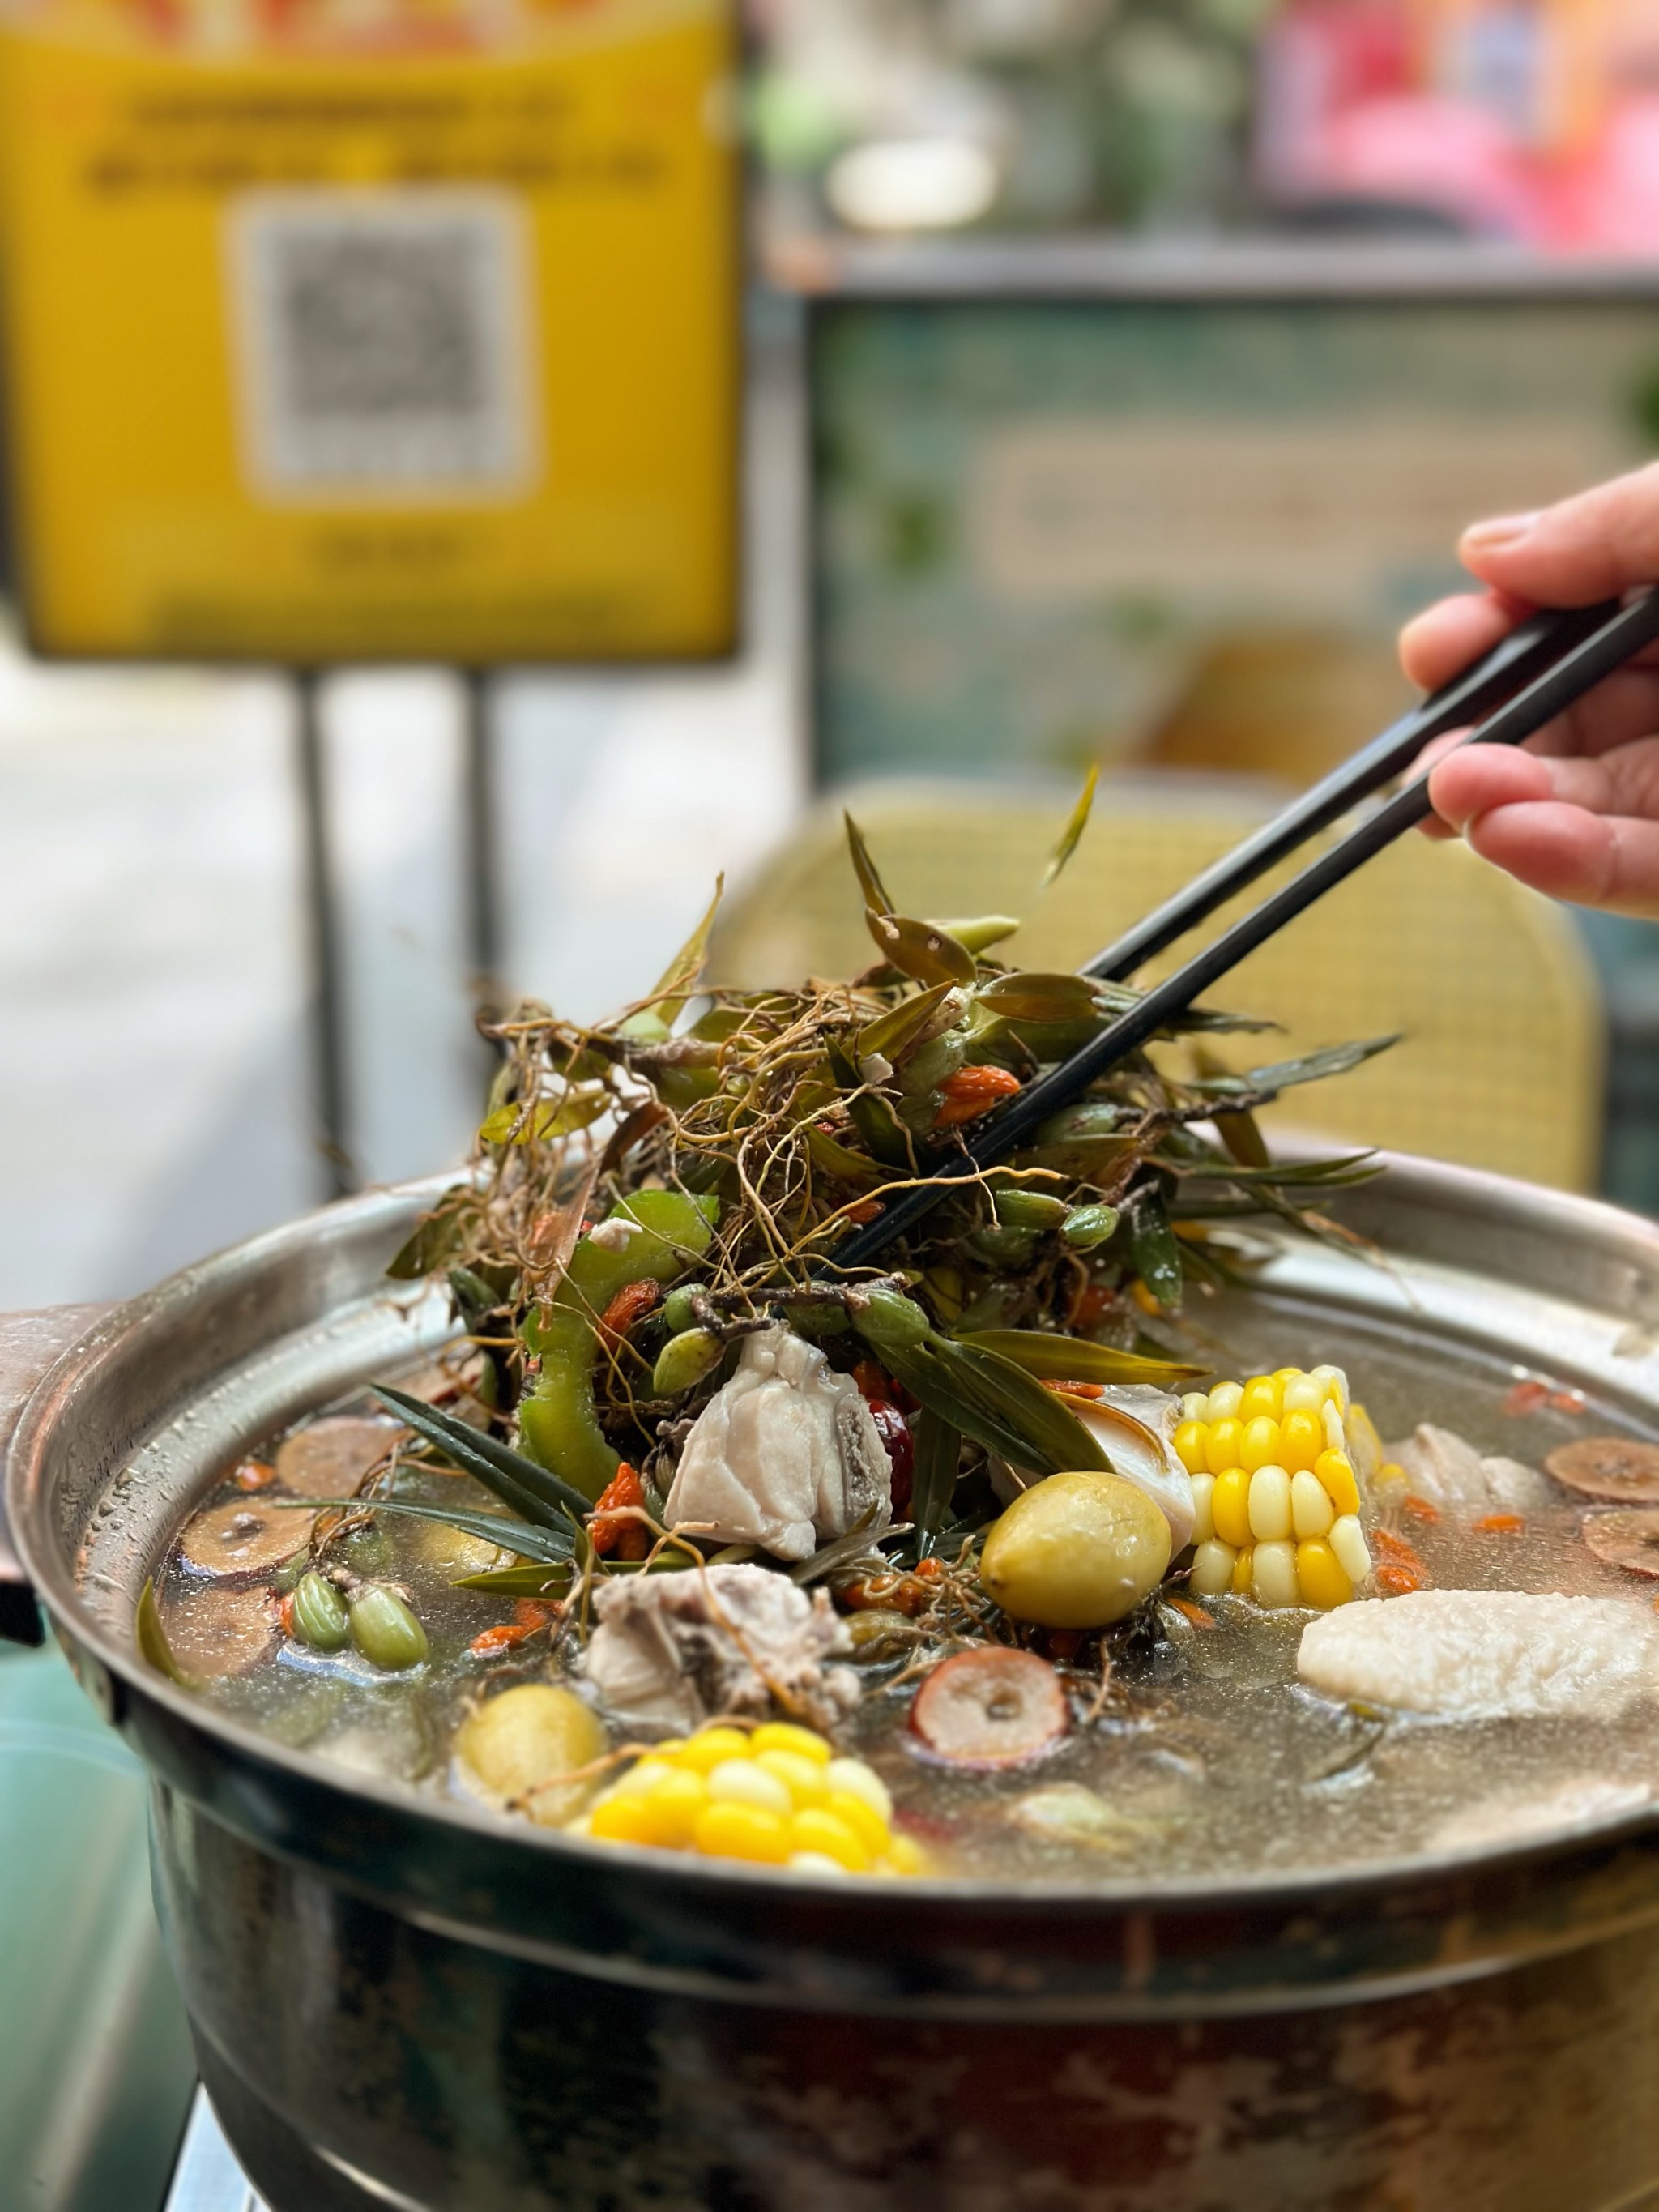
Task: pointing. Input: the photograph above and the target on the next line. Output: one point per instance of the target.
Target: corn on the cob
(775, 1796)
(1274, 1482)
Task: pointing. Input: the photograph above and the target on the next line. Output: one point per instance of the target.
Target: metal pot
(396, 2001)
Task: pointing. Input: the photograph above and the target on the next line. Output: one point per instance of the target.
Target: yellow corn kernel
(1303, 1395)
(813, 1862)
(709, 1747)
(785, 1735)
(743, 1782)
(861, 1817)
(1203, 1524)
(642, 1778)
(1259, 1445)
(1319, 1575)
(1335, 1472)
(1336, 1386)
(1212, 1569)
(1195, 1406)
(1336, 1437)
(803, 1778)
(744, 1832)
(1282, 1375)
(1347, 1540)
(1230, 1506)
(669, 1749)
(1311, 1510)
(1263, 1398)
(1190, 1439)
(906, 1855)
(1221, 1449)
(1270, 1505)
(1224, 1399)
(1364, 1442)
(817, 1830)
(1244, 1572)
(854, 1779)
(673, 1809)
(621, 1819)
(1272, 1575)
(1301, 1440)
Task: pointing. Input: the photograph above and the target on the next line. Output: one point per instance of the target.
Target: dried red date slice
(990, 1708)
(329, 1458)
(1621, 1469)
(249, 1537)
(1626, 1537)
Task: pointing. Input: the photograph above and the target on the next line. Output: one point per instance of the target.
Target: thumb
(1592, 546)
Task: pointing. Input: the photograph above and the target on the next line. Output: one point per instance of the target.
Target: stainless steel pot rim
(1457, 1190)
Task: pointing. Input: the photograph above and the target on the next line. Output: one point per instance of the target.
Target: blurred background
(1115, 376)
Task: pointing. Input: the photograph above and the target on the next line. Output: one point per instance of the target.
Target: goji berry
(1502, 1524)
(254, 1474)
(1420, 1509)
(971, 1091)
(1397, 1581)
(631, 1304)
(627, 1539)
(1075, 1389)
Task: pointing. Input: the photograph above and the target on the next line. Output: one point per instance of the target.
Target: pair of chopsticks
(1509, 694)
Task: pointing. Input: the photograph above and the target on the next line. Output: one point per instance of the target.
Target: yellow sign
(422, 348)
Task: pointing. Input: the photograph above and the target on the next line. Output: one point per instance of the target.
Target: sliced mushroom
(219, 1631)
(990, 1708)
(249, 1537)
(329, 1458)
(1628, 1537)
(1621, 1469)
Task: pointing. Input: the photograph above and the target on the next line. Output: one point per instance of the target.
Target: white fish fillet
(1477, 1655)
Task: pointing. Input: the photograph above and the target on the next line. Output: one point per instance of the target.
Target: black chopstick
(1534, 647)
(1589, 660)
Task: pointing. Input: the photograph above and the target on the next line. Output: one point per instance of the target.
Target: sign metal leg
(325, 1010)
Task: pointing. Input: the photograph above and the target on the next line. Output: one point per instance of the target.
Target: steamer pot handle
(29, 1343)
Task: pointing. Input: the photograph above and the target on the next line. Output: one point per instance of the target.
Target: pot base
(288, 2173)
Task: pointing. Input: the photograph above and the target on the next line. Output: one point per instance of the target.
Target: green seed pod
(677, 1313)
(384, 1631)
(320, 1614)
(1088, 1226)
(1004, 1247)
(931, 1063)
(1029, 1209)
(887, 1317)
(683, 1360)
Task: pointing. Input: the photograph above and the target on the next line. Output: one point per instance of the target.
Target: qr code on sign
(383, 341)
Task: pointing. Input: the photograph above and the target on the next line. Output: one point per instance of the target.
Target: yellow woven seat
(1500, 1064)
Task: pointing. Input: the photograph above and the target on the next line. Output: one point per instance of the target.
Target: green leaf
(552, 1580)
(892, 1032)
(919, 949)
(1243, 1137)
(436, 1237)
(857, 1543)
(1155, 1250)
(1314, 1067)
(938, 1457)
(548, 1545)
(152, 1638)
(1027, 996)
(839, 1161)
(519, 1483)
(978, 932)
(1077, 822)
(996, 1403)
(523, 1124)
(1074, 1359)
(870, 882)
(683, 969)
(870, 1116)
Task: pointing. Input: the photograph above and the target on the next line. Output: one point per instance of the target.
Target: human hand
(1575, 813)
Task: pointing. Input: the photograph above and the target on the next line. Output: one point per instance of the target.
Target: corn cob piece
(777, 1796)
(1276, 1493)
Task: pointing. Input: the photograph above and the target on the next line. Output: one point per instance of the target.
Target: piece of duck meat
(673, 1650)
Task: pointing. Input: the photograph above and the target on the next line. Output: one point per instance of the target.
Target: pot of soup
(1245, 1896)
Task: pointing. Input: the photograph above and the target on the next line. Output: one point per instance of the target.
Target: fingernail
(1501, 530)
